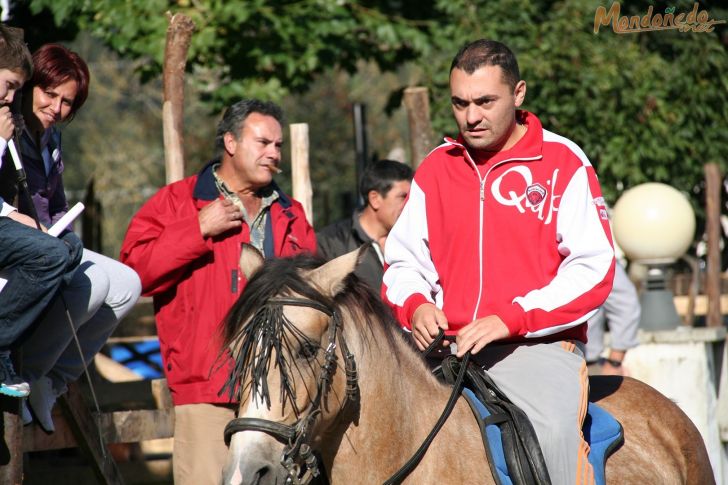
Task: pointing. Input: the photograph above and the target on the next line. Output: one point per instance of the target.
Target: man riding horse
(505, 243)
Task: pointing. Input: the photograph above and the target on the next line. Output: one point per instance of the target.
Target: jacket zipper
(481, 209)
(482, 181)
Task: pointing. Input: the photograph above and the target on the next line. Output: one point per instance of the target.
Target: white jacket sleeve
(584, 278)
(411, 278)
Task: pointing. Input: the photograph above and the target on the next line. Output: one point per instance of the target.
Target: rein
(407, 468)
(297, 436)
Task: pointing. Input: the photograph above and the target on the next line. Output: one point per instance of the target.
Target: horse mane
(252, 329)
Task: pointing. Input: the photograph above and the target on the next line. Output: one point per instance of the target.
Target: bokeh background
(650, 106)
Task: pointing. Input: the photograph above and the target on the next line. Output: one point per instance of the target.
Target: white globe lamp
(654, 224)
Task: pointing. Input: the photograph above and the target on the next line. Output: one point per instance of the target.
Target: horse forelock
(257, 333)
(275, 278)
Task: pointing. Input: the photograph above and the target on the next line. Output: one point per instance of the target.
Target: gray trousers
(621, 311)
(549, 383)
(100, 294)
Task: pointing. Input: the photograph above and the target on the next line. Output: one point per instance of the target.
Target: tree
(641, 105)
(644, 107)
(254, 48)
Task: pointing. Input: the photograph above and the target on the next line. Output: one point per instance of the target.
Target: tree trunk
(300, 173)
(179, 34)
(417, 103)
(713, 178)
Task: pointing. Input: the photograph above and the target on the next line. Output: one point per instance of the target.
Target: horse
(354, 395)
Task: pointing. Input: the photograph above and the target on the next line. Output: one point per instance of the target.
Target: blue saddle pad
(604, 434)
(601, 431)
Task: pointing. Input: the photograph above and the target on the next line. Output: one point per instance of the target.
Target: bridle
(297, 436)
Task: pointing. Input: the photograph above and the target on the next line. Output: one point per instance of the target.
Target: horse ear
(250, 260)
(330, 277)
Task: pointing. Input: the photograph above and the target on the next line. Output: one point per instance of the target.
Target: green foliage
(255, 46)
(327, 108)
(644, 106)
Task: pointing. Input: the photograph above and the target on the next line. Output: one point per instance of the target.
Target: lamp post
(654, 224)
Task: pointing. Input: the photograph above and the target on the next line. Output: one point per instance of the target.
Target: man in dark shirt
(384, 186)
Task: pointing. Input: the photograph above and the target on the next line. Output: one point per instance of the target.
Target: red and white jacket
(523, 235)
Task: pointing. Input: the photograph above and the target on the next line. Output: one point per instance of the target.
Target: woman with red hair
(103, 290)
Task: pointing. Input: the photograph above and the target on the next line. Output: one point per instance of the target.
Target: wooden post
(179, 34)
(713, 178)
(86, 430)
(693, 289)
(91, 219)
(417, 103)
(11, 448)
(361, 146)
(300, 173)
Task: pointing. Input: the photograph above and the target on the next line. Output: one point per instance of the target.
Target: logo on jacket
(516, 188)
(535, 194)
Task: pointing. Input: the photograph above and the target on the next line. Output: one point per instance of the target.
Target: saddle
(510, 441)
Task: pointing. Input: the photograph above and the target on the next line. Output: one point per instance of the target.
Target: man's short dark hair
(234, 118)
(483, 52)
(14, 54)
(381, 176)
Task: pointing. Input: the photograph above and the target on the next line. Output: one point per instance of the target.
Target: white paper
(14, 154)
(67, 218)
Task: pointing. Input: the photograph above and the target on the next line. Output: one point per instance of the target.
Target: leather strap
(281, 432)
(407, 468)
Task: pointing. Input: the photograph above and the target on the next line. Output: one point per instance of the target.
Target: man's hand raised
(218, 217)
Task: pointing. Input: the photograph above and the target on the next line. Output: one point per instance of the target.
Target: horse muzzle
(254, 465)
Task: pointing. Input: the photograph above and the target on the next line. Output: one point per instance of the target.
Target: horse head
(293, 373)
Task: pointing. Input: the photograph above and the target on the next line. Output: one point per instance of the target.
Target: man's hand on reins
(426, 324)
(479, 333)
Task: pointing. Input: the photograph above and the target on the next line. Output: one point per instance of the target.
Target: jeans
(34, 264)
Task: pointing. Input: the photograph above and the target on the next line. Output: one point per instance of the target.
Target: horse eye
(308, 350)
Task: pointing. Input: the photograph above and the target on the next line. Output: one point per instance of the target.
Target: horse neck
(397, 383)
(400, 403)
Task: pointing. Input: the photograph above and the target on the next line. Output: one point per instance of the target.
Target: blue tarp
(141, 357)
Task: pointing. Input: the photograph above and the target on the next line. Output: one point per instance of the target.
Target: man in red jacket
(185, 244)
(504, 242)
